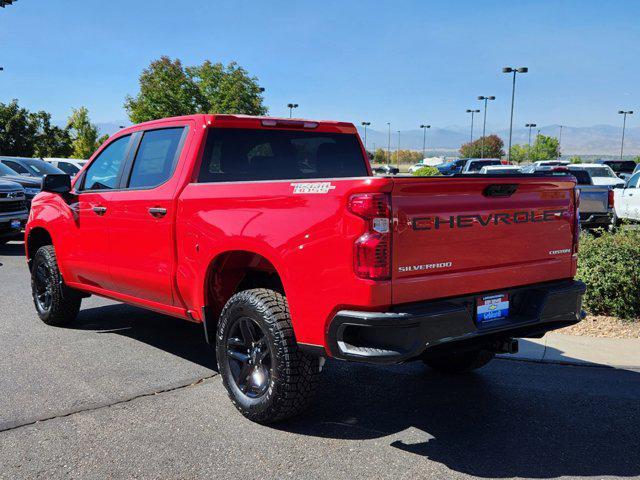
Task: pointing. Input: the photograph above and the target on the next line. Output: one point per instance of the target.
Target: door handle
(99, 210)
(157, 212)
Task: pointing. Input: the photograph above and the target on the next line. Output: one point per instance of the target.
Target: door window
(634, 181)
(16, 167)
(103, 172)
(68, 168)
(156, 158)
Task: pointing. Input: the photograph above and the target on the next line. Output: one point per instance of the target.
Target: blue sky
(401, 61)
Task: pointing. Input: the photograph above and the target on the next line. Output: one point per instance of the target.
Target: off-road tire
(293, 374)
(65, 302)
(460, 362)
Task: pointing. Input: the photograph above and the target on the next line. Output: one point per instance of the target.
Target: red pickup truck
(274, 235)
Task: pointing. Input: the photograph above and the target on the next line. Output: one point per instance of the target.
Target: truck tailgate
(594, 198)
(459, 235)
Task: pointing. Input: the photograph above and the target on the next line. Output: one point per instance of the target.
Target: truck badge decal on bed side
(312, 187)
(428, 266)
(463, 221)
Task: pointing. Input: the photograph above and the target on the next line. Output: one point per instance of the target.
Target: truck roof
(250, 121)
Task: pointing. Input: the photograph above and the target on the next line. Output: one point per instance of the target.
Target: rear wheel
(55, 303)
(460, 362)
(266, 375)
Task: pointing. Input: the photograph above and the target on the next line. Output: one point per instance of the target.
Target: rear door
(631, 198)
(142, 220)
(456, 236)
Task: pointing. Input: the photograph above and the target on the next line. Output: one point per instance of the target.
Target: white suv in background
(70, 166)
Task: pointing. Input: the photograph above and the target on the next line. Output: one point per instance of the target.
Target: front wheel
(460, 362)
(55, 303)
(266, 375)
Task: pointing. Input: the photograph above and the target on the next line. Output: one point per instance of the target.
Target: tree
(227, 89)
(406, 156)
(165, 91)
(493, 145)
(380, 156)
(544, 148)
(50, 140)
(169, 89)
(17, 130)
(575, 159)
(84, 134)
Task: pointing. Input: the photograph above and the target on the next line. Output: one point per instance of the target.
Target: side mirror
(56, 183)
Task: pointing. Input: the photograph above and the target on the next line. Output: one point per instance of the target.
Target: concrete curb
(582, 351)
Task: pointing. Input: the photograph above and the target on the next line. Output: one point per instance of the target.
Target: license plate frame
(491, 308)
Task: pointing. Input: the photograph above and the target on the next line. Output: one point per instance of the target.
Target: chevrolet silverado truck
(276, 237)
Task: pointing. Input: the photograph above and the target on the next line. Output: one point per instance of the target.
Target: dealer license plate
(492, 307)
(16, 224)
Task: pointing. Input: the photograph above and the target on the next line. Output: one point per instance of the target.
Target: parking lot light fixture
(472, 112)
(484, 122)
(398, 159)
(365, 125)
(291, 106)
(529, 126)
(513, 96)
(389, 143)
(424, 138)
(560, 141)
(624, 114)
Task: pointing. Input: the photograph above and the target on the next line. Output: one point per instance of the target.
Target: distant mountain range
(593, 140)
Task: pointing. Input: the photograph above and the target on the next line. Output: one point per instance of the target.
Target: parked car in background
(452, 167)
(416, 167)
(543, 165)
(622, 168)
(70, 166)
(31, 185)
(596, 201)
(474, 165)
(386, 170)
(600, 174)
(499, 169)
(29, 167)
(627, 200)
(13, 210)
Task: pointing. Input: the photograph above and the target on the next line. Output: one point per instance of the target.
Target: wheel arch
(36, 238)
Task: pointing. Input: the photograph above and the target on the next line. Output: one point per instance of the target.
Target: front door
(142, 236)
(88, 241)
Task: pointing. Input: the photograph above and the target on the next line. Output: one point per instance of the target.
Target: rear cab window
(238, 154)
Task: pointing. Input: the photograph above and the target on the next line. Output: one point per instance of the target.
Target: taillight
(611, 198)
(576, 219)
(372, 250)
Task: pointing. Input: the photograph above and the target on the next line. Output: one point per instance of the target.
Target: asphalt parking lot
(127, 393)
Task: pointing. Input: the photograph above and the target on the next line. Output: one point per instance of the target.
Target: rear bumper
(591, 220)
(429, 328)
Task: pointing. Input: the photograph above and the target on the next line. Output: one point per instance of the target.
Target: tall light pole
(389, 144)
(291, 106)
(398, 155)
(472, 112)
(365, 125)
(530, 126)
(560, 142)
(424, 139)
(513, 97)
(484, 122)
(624, 113)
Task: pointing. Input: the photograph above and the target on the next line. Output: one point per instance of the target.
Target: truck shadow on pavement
(12, 249)
(172, 335)
(509, 419)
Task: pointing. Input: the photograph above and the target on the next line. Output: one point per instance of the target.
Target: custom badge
(312, 187)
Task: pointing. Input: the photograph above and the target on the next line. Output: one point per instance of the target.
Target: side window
(16, 167)
(156, 157)
(68, 168)
(634, 181)
(102, 174)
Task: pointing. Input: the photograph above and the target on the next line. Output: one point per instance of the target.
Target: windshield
(4, 170)
(622, 167)
(39, 168)
(476, 166)
(603, 171)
